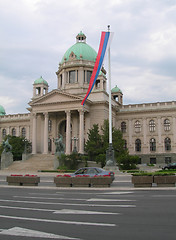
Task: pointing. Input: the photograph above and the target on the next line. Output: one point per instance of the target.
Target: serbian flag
(104, 44)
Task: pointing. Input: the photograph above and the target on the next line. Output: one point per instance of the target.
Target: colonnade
(68, 132)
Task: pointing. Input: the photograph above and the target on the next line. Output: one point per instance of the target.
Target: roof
(2, 111)
(116, 89)
(81, 48)
(40, 80)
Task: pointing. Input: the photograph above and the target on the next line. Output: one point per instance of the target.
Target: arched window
(13, 132)
(137, 126)
(167, 143)
(166, 125)
(138, 145)
(23, 132)
(123, 127)
(152, 145)
(152, 126)
(4, 133)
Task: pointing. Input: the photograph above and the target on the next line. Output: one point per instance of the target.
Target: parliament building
(149, 129)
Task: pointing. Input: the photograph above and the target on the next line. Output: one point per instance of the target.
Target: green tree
(18, 146)
(127, 162)
(117, 140)
(93, 145)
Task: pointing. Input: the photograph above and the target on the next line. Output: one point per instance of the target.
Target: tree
(117, 139)
(18, 146)
(97, 145)
(93, 144)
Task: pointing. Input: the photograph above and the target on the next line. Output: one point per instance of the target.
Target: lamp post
(74, 144)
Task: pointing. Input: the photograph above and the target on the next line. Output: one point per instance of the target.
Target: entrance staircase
(36, 162)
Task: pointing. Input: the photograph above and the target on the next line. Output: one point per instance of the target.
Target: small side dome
(40, 80)
(116, 90)
(2, 111)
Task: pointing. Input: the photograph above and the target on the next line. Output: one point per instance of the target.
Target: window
(23, 132)
(152, 160)
(123, 127)
(167, 143)
(13, 132)
(152, 145)
(137, 126)
(167, 160)
(125, 144)
(3, 133)
(166, 125)
(97, 84)
(152, 126)
(72, 77)
(89, 73)
(138, 145)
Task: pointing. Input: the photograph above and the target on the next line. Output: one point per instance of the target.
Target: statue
(60, 147)
(6, 146)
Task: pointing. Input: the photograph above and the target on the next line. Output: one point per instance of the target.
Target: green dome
(81, 48)
(116, 89)
(2, 111)
(40, 80)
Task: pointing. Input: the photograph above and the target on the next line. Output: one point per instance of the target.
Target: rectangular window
(152, 160)
(89, 73)
(72, 77)
(167, 160)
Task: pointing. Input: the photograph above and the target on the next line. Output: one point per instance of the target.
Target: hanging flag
(104, 44)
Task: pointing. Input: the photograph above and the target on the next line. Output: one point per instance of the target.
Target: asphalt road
(89, 214)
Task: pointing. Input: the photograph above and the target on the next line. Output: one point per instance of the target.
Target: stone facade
(149, 129)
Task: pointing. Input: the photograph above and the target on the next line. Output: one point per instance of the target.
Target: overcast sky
(35, 34)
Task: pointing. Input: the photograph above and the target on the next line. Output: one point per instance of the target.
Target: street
(43, 213)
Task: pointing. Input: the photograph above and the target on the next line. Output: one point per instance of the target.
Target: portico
(42, 134)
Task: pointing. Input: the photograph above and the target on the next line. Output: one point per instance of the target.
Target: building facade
(149, 129)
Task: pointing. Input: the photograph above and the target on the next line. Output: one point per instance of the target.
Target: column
(130, 133)
(68, 133)
(145, 131)
(159, 147)
(45, 143)
(34, 134)
(81, 132)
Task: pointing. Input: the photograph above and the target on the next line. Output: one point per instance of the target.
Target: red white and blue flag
(104, 45)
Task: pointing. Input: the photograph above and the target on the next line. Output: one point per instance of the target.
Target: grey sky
(36, 33)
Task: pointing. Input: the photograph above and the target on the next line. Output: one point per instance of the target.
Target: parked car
(93, 171)
(170, 166)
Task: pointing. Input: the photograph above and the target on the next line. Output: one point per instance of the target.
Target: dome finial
(81, 37)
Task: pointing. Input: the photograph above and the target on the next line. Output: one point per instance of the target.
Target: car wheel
(166, 168)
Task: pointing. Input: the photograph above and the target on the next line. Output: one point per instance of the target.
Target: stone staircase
(35, 163)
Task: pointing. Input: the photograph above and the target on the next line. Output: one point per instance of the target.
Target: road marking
(109, 200)
(59, 221)
(17, 231)
(163, 196)
(62, 211)
(68, 204)
(116, 193)
(73, 199)
(71, 211)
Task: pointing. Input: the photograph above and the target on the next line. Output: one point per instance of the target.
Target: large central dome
(81, 50)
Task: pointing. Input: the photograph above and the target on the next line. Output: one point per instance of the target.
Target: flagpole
(110, 152)
(110, 105)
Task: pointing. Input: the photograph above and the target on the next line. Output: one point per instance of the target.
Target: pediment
(55, 96)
